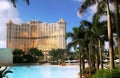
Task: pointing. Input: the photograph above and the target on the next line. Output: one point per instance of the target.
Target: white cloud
(68, 40)
(91, 10)
(104, 17)
(7, 12)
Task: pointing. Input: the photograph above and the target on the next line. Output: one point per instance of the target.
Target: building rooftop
(61, 20)
(35, 22)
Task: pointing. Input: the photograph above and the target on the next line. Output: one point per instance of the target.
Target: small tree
(36, 54)
(18, 56)
(27, 58)
(57, 55)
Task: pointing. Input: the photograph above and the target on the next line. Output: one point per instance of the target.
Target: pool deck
(37, 64)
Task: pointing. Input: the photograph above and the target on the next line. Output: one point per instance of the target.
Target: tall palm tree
(98, 29)
(77, 37)
(117, 17)
(110, 36)
(88, 3)
(80, 40)
(14, 2)
(90, 43)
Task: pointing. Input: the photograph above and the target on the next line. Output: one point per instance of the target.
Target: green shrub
(86, 70)
(115, 73)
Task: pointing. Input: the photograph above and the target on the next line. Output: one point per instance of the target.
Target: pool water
(44, 72)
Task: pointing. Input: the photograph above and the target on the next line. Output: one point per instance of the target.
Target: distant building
(6, 56)
(44, 36)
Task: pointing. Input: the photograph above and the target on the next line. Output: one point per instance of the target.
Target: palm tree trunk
(97, 62)
(110, 36)
(80, 64)
(83, 64)
(117, 16)
(89, 59)
(101, 60)
(0, 74)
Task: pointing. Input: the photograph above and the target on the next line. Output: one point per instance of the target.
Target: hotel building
(44, 36)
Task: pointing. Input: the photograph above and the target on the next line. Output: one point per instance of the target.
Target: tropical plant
(103, 3)
(107, 73)
(18, 56)
(117, 17)
(4, 72)
(57, 56)
(79, 40)
(27, 58)
(98, 33)
(36, 54)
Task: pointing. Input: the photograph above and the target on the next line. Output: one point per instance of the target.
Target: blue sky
(51, 11)
(43, 10)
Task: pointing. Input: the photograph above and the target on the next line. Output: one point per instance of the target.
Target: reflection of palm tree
(14, 2)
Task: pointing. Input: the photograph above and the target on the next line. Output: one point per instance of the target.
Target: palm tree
(76, 40)
(79, 41)
(14, 2)
(110, 36)
(98, 30)
(117, 17)
(88, 3)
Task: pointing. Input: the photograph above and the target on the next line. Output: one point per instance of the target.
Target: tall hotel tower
(44, 36)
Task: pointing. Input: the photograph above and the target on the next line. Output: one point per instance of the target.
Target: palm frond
(6, 72)
(70, 45)
(69, 34)
(101, 9)
(14, 2)
(86, 4)
(86, 24)
(28, 2)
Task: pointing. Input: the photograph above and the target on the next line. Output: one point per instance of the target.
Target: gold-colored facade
(44, 36)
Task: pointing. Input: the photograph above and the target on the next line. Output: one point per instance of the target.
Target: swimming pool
(44, 72)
